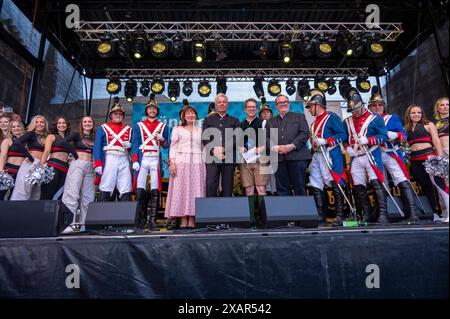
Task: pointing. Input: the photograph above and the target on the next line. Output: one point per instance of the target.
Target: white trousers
(319, 174)
(394, 169)
(149, 165)
(361, 169)
(79, 188)
(116, 172)
(22, 190)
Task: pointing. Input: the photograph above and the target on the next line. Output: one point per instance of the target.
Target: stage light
(363, 84)
(159, 46)
(321, 84)
(157, 86)
(144, 89)
(258, 87)
(130, 90)
(323, 47)
(113, 86)
(303, 89)
(290, 87)
(358, 46)
(374, 47)
(331, 86)
(122, 49)
(263, 50)
(105, 46)
(306, 47)
(138, 46)
(177, 46)
(274, 87)
(204, 88)
(286, 50)
(187, 88)
(344, 85)
(173, 90)
(198, 48)
(221, 85)
(344, 43)
(219, 50)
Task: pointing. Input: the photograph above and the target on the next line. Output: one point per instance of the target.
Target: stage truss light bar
(234, 31)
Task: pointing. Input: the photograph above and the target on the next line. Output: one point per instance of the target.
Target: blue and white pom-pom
(6, 181)
(437, 166)
(40, 175)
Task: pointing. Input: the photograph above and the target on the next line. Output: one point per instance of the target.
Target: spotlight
(344, 85)
(290, 87)
(177, 46)
(204, 88)
(345, 43)
(173, 90)
(274, 87)
(138, 46)
(123, 46)
(157, 86)
(358, 46)
(159, 46)
(221, 85)
(363, 84)
(263, 50)
(323, 47)
(145, 89)
(130, 90)
(303, 89)
(105, 47)
(258, 87)
(286, 50)
(220, 51)
(187, 87)
(113, 86)
(198, 49)
(374, 47)
(331, 86)
(321, 84)
(306, 47)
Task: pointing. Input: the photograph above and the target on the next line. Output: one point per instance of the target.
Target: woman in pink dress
(187, 169)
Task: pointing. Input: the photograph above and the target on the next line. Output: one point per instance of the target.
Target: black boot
(338, 204)
(318, 199)
(252, 205)
(362, 202)
(104, 196)
(409, 202)
(141, 196)
(380, 201)
(154, 194)
(126, 197)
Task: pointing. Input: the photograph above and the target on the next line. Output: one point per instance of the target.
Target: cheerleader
(13, 153)
(5, 121)
(56, 154)
(441, 115)
(34, 138)
(79, 185)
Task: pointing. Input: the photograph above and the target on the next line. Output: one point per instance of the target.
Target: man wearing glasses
(293, 153)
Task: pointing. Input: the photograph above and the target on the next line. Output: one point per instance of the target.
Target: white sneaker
(70, 229)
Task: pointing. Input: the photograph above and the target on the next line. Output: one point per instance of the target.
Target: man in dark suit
(221, 147)
(293, 153)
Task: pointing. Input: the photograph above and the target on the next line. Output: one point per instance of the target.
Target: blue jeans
(291, 174)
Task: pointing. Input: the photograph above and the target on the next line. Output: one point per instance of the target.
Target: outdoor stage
(278, 263)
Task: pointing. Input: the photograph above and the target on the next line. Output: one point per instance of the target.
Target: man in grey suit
(293, 153)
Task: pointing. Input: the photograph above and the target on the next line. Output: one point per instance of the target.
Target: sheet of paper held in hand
(251, 156)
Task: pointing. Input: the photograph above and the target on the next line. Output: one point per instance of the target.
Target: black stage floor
(395, 261)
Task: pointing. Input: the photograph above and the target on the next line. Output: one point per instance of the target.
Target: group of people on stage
(202, 158)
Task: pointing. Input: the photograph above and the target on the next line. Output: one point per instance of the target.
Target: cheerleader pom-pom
(6, 181)
(437, 166)
(48, 174)
(40, 175)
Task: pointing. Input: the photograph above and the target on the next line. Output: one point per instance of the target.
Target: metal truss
(234, 31)
(237, 75)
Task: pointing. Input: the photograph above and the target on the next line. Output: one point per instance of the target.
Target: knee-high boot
(154, 194)
(126, 197)
(319, 200)
(104, 196)
(409, 202)
(141, 196)
(252, 205)
(362, 202)
(338, 203)
(380, 201)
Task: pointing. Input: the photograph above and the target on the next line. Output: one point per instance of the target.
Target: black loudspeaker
(111, 215)
(226, 211)
(33, 218)
(289, 211)
(424, 213)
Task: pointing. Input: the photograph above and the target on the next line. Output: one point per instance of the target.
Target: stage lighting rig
(105, 47)
(331, 86)
(303, 89)
(363, 83)
(123, 46)
(173, 90)
(258, 87)
(187, 87)
(177, 46)
(199, 49)
(374, 47)
(159, 46)
(290, 87)
(321, 84)
(138, 46)
(204, 88)
(323, 47)
(274, 87)
(145, 88)
(130, 90)
(157, 86)
(113, 86)
(221, 85)
(344, 86)
(286, 50)
(306, 46)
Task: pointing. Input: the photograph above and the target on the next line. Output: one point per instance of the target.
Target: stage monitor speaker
(425, 213)
(102, 215)
(289, 211)
(222, 211)
(33, 218)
